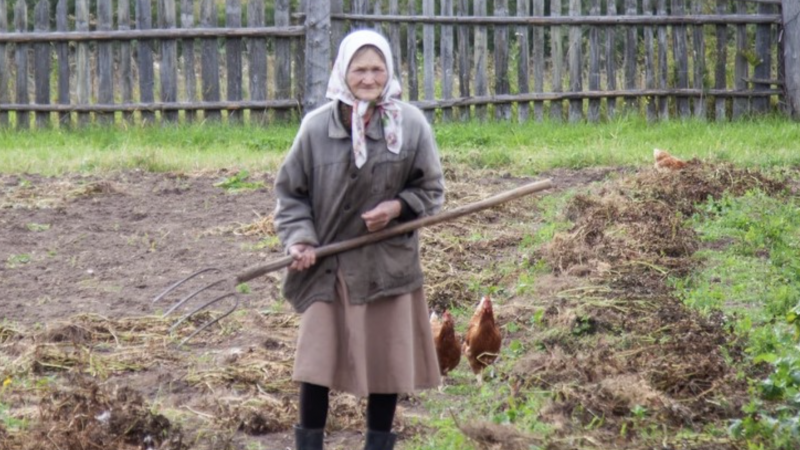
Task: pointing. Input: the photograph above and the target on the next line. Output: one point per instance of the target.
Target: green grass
(517, 148)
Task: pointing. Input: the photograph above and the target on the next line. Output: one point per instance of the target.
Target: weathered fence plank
(481, 50)
(337, 26)
(283, 58)
(317, 54)
(233, 57)
(446, 58)
(62, 58)
(428, 55)
(791, 55)
(663, 69)
(611, 61)
(21, 59)
(649, 63)
(502, 86)
(763, 69)
(464, 66)
(523, 64)
(538, 60)
(299, 64)
(105, 61)
(411, 54)
(720, 69)
(394, 42)
(359, 7)
(189, 68)
(681, 57)
(209, 60)
(145, 60)
(594, 64)
(629, 61)
(169, 57)
(698, 42)
(41, 63)
(575, 63)
(125, 67)
(4, 66)
(257, 50)
(557, 57)
(741, 106)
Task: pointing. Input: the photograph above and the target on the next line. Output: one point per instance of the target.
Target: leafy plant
(239, 182)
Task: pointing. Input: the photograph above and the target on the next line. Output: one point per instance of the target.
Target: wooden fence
(509, 59)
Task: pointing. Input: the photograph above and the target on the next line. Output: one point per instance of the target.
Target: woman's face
(367, 75)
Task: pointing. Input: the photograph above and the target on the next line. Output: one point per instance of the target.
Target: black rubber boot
(380, 440)
(305, 439)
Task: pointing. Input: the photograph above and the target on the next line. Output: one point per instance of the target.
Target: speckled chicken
(483, 340)
(448, 348)
(666, 162)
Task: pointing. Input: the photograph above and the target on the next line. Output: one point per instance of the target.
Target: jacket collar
(337, 130)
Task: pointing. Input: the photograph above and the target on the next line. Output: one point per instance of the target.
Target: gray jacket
(321, 196)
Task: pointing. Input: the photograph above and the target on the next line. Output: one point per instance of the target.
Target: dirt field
(89, 362)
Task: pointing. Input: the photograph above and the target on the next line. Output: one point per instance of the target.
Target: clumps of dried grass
(492, 436)
(84, 414)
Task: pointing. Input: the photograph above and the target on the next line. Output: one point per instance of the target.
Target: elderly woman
(360, 163)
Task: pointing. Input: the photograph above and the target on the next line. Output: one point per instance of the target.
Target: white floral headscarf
(386, 106)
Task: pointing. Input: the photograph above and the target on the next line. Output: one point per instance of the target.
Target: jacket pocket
(388, 177)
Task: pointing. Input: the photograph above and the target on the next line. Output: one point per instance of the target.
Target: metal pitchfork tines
(328, 250)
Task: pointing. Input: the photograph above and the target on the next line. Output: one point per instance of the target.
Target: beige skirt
(383, 347)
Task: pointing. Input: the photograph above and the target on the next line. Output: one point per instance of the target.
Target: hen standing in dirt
(360, 163)
(482, 341)
(448, 349)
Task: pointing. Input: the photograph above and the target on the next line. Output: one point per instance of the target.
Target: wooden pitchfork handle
(405, 227)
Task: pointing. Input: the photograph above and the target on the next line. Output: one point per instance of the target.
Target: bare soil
(90, 363)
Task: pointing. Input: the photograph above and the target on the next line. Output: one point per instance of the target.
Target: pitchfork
(329, 250)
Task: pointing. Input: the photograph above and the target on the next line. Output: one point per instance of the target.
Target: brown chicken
(448, 349)
(666, 162)
(482, 341)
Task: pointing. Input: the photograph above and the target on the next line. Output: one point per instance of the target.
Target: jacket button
(353, 176)
(347, 207)
(328, 271)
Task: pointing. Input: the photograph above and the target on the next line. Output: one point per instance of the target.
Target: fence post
(4, 66)
(791, 54)
(318, 53)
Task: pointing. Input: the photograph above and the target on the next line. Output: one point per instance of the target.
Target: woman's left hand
(378, 217)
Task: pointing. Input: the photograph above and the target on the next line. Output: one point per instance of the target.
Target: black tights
(314, 408)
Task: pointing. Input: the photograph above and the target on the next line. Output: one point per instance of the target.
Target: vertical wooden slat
(428, 55)
(741, 105)
(299, 52)
(359, 7)
(720, 69)
(446, 57)
(481, 50)
(611, 60)
(169, 57)
(62, 53)
(557, 55)
(681, 57)
(464, 66)
(780, 43)
(257, 49)
(125, 67)
(698, 42)
(394, 41)
(210, 61)
(317, 54)
(144, 21)
(594, 63)
(523, 66)
(378, 11)
(649, 62)
(41, 62)
(538, 60)
(283, 59)
(763, 70)
(189, 69)
(21, 58)
(501, 81)
(105, 62)
(411, 54)
(791, 55)
(337, 28)
(5, 98)
(233, 57)
(575, 53)
(630, 56)
(663, 70)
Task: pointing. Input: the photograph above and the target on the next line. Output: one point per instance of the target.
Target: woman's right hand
(304, 256)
